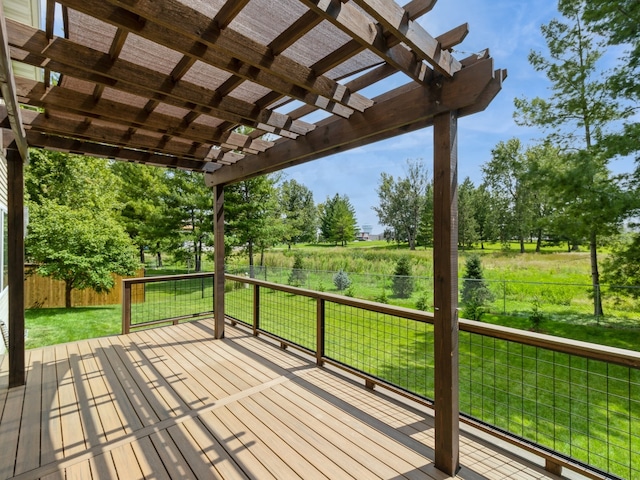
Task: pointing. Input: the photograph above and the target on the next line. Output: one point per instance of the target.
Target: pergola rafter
(169, 82)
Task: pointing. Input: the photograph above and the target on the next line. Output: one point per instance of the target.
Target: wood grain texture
(173, 403)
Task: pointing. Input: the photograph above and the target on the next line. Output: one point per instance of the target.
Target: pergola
(169, 83)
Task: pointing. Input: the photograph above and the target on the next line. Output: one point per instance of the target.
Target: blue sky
(510, 29)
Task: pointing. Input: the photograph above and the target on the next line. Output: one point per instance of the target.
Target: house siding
(27, 12)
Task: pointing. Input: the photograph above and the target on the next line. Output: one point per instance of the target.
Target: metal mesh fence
(571, 303)
(394, 349)
(585, 409)
(238, 301)
(171, 299)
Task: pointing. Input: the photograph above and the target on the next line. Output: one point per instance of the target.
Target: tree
(341, 280)
(403, 282)
(402, 201)
(505, 176)
(338, 220)
(484, 215)
(75, 246)
(142, 194)
(73, 232)
(298, 274)
(425, 226)
(467, 226)
(622, 267)
(475, 291)
(299, 213)
(618, 21)
(253, 215)
(190, 214)
(580, 111)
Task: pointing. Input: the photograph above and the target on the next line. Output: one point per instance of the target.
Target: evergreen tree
(298, 275)
(403, 281)
(475, 290)
(467, 226)
(190, 215)
(253, 215)
(338, 222)
(341, 280)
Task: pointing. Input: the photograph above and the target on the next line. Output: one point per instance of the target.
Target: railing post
(256, 309)
(445, 266)
(320, 332)
(126, 307)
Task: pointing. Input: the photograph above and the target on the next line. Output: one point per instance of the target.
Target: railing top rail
(563, 345)
(593, 351)
(165, 278)
(408, 313)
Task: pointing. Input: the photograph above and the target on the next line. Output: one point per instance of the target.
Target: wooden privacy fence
(45, 292)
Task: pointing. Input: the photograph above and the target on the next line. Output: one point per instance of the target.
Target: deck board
(172, 403)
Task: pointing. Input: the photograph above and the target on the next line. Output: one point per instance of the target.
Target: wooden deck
(172, 403)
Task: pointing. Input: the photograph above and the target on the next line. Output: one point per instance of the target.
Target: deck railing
(158, 300)
(572, 403)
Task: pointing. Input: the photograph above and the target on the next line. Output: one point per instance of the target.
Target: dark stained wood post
(15, 224)
(445, 266)
(218, 280)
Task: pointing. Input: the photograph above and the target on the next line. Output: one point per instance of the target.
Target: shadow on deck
(173, 403)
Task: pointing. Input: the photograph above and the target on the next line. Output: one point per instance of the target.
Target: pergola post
(218, 280)
(15, 220)
(445, 265)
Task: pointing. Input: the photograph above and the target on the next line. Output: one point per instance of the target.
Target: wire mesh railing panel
(171, 299)
(289, 316)
(585, 409)
(394, 349)
(238, 301)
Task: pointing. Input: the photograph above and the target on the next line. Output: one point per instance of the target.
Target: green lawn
(49, 326)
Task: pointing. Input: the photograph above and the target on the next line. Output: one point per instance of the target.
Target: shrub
(402, 284)
(341, 280)
(475, 291)
(382, 298)
(351, 292)
(423, 301)
(298, 275)
(536, 316)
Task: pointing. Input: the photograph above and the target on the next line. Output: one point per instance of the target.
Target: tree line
(90, 216)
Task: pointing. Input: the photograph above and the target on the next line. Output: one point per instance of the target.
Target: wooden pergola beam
(75, 146)
(8, 90)
(68, 57)
(111, 135)
(185, 30)
(353, 22)
(122, 75)
(395, 20)
(417, 8)
(393, 111)
(64, 100)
